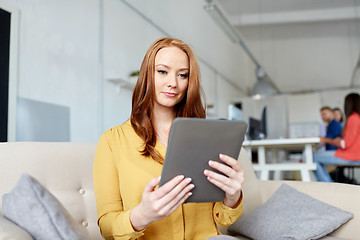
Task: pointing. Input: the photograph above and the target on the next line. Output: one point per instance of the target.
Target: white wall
(304, 108)
(306, 56)
(67, 50)
(125, 45)
(58, 58)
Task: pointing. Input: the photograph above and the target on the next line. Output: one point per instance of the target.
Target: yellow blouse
(120, 175)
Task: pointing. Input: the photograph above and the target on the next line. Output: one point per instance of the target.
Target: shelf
(121, 83)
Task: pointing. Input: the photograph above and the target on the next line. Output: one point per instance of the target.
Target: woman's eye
(162, 71)
(184, 75)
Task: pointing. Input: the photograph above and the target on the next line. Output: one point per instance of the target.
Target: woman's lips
(168, 94)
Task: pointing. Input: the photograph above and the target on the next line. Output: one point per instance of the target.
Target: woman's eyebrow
(162, 65)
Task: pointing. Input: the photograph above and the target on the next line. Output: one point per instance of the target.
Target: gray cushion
(221, 237)
(290, 214)
(35, 209)
(11, 231)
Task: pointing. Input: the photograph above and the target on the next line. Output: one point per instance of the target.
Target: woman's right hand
(160, 203)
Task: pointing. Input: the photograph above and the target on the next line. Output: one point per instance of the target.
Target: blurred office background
(70, 61)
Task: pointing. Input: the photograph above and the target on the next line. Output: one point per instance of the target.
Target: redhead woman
(129, 158)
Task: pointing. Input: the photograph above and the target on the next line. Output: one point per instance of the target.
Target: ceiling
(250, 8)
(303, 45)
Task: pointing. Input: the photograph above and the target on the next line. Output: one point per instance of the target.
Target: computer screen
(257, 127)
(254, 128)
(264, 122)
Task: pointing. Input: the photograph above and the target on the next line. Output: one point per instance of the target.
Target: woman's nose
(172, 81)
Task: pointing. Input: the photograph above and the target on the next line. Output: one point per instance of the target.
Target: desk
(304, 144)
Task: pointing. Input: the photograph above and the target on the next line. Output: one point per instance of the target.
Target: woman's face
(171, 76)
(337, 115)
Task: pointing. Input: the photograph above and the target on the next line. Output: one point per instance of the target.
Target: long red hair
(144, 95)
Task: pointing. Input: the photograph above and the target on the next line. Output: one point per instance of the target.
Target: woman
(339, 116)
(129, 158)
(349, 146)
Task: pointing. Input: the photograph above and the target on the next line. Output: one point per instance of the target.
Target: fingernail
(192, 186)
(159, 178)
(181, 177)
(188, 180)
(205, 171)
(189, 194)
(221, 155)
(210, 162)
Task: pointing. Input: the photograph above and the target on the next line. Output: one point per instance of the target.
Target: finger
(169, 186)
(218, 177)
(152, 184)
(230, 161)
(222, 186)
(166, 206)
(181, 201)
(177, 192)
(228, 171)
(230, 182)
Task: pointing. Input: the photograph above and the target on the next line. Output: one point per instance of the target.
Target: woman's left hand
(231, 184)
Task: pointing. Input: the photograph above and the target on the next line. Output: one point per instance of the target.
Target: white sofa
(343, 196)
(66, 170)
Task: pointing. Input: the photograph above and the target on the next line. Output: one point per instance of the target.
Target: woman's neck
(162, 120)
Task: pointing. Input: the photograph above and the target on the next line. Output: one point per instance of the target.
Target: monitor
(254, 128)
(264, 122)
(257, 127)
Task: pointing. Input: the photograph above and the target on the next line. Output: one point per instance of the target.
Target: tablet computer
(192, 143)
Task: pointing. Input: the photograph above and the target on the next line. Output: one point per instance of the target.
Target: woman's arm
(349, 134)
(231, 183)
(160, 203)
(351, 130)
(335, 142)
(230, 210)
(114, 220)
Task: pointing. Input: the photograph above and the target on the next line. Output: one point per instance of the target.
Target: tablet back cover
(192, 143)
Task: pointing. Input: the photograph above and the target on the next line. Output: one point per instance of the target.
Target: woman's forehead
(172, 57)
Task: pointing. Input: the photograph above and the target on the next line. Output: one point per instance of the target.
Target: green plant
(134, 73)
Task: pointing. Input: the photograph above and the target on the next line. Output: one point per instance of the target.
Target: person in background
(129, 158)
(338, 116)
(338, 173)
(333, 130)
(348, 152)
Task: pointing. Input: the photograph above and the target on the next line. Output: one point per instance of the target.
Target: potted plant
(133, 77)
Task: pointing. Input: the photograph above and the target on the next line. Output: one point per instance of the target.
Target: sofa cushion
(290, 214)
(221, 237)
(35, 209)
(11, 231)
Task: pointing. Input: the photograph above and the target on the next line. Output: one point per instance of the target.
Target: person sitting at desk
(333, 129)
(349, 146)
(129, 158)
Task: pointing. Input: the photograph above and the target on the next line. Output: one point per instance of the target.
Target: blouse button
(82, 191)
(85, 223)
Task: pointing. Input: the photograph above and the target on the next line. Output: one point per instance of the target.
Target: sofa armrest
(11, 231)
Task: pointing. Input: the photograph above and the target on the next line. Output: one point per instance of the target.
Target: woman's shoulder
(124, 129)
(354, 117)
(120, 135)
